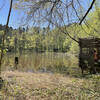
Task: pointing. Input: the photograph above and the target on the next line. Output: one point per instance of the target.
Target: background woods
(40, 56)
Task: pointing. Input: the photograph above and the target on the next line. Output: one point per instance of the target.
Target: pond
(48, 61)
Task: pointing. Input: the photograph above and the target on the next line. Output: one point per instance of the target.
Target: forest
(41, 58)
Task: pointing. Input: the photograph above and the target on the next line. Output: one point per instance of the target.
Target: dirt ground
(49, 86)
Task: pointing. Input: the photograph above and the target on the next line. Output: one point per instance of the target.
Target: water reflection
(42, 62)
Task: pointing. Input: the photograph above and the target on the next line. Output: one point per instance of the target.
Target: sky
(15, 14)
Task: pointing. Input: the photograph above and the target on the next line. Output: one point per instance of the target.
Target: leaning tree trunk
(3, 44)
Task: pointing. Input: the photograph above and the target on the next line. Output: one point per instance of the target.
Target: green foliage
(45, 39)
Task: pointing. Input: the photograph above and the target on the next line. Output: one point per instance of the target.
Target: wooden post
(1, 82)
(16, 62)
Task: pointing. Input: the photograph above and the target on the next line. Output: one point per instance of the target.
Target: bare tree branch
(2, 5)
(87, 12)
(55, 12)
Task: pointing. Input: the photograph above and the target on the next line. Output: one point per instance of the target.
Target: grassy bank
(47, 76)
(49, 86)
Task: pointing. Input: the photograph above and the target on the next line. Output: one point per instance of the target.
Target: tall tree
(56, 12)
(5, 32)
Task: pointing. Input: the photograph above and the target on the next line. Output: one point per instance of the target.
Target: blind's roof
(89, 42)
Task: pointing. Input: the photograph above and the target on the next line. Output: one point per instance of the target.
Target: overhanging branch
(87, 12)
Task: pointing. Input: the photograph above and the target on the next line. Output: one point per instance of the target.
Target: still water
(48, 61)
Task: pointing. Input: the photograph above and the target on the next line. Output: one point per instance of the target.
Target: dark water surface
(48, 61)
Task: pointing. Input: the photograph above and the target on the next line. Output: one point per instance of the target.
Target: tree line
(51, 39)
